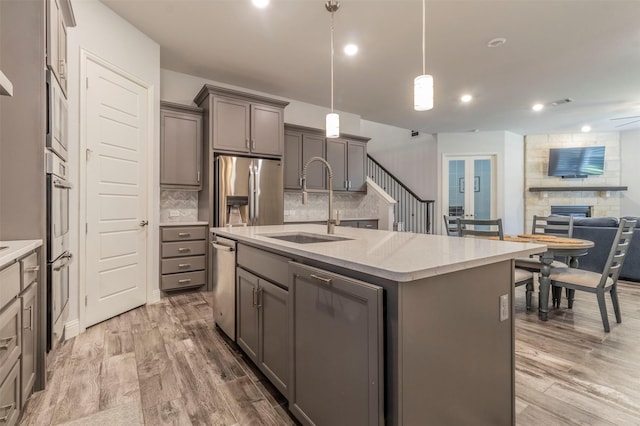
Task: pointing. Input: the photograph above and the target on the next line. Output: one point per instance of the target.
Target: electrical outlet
(174, 213)
(504, 307)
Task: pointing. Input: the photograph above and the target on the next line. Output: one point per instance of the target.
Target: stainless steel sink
(305, 237)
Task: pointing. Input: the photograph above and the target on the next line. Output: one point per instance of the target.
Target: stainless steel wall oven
(58, 254)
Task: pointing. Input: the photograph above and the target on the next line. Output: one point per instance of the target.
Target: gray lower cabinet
(336, 329)
(10, 397)
(181, 140)
(183, 262)
(29, 342)
(263, 326)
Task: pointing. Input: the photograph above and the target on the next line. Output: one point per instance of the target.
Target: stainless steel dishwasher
(224, 285)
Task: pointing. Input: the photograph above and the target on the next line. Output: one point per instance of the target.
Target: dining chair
(451, 225)
(577, 279)
(493, 228)
(560, 226)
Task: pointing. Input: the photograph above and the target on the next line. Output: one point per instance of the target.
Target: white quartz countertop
(398, 256)
(16, 249)
(192, 223)
(287, 220)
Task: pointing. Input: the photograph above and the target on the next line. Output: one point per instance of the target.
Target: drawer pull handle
(184, 265)
(4, 343)
(184, 249)
(30, 327)
(184, 281)
(32, 269)
(184, 234)
(326, 281)
(9, 409)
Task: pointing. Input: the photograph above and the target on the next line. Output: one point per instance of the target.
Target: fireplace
(576, 211)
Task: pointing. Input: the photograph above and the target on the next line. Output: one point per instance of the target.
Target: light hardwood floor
(165, 364)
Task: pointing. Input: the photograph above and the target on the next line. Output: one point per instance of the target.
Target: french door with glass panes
(469, 186)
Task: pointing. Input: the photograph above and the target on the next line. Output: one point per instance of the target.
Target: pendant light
(423, 84)
(333, 119)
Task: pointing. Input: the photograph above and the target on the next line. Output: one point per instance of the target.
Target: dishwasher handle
(221, 247)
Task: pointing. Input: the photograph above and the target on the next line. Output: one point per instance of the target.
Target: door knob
(144, 223)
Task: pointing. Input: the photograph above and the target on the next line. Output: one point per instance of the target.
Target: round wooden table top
(555, 243)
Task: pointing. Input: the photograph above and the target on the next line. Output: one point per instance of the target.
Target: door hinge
(86, 298)
(88, 153)
(86, 227)
(87, 82)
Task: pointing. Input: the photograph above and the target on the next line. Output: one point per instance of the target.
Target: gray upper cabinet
(240, 122)
(59, 17)
(336, 348)
(347, 157)
(180, 146)
(301, 144)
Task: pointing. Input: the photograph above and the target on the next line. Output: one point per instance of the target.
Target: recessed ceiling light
(260, 3)
(466, 98)
(350, 49)
(537, 107)
(586, 128)
(495, 42)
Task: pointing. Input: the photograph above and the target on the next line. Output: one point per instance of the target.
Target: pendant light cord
(423, 38)
(332, 61)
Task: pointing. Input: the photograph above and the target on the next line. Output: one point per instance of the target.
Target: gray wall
(22, 121)
(629, 155)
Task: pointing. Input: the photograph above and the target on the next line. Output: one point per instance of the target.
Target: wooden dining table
(571, 248)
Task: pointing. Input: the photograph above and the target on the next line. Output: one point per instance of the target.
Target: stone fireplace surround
(603, 203)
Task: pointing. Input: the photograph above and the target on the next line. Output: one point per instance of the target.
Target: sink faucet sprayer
(330, 222)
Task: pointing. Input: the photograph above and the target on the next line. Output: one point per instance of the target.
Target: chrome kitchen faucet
(330, 222)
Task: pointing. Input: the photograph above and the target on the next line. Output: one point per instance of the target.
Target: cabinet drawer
(268, 265)
(183, 280)
(9, 284)
(10, 397)
(183, 264)
(184, 233)
(183, 248)
(30, 270)
(10, 337)
(369, 224)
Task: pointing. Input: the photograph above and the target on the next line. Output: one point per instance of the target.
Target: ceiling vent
(414, 133)
(561, 102)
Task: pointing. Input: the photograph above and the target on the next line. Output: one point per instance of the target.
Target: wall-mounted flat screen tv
(576, 162)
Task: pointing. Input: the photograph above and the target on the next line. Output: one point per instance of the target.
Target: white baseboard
(71, 329)
(155, 296)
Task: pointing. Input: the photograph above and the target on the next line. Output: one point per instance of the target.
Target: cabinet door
(231, 124)
(29, 333)
(274, 334)
(267, 130)
(180, 150)
(313, 146)
(356, 166)
(336, 331)
(62, 54)
(292, 160)
(247, 313)
(53, 40)
(337, 158)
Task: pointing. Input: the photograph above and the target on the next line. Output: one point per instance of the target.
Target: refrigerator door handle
(256, 196)
(252, 187)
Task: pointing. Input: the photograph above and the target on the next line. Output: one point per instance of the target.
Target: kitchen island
(383, 327)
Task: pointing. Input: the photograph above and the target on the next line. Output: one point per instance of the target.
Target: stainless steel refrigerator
(248, 191)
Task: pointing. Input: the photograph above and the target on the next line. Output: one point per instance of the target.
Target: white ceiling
(585, 50)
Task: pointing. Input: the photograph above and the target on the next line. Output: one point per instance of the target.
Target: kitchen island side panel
(456, 356)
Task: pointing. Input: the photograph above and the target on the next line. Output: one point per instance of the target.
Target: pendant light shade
(423, 93)
(423, 84)
(333, 119)
(333, 125)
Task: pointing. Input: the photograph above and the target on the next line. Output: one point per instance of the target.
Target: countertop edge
(529, 248)
(191, 223)
(16, 249)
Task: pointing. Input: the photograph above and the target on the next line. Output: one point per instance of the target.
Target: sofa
(602, 230)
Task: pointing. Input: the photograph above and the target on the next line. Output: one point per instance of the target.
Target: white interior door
(469, 187)
(117, 127)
